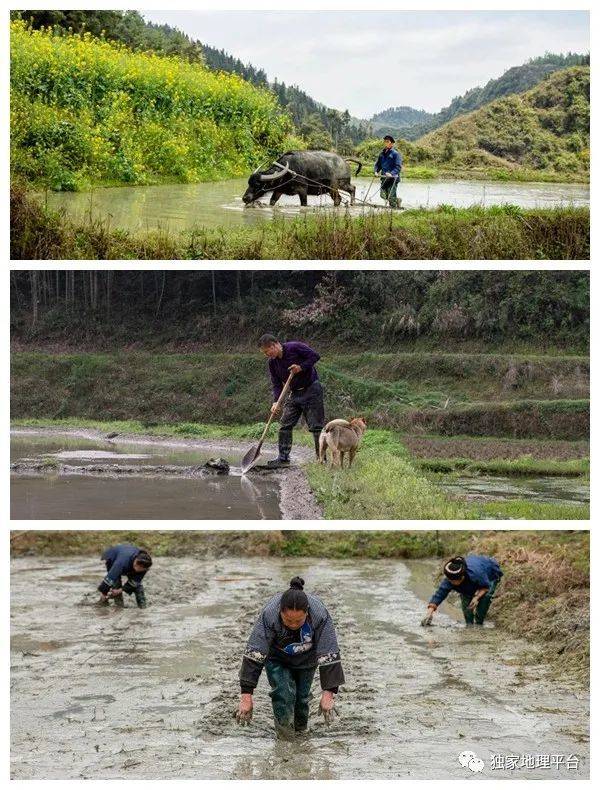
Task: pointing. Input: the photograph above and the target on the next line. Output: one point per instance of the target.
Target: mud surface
(553, 490)
(103, 692)
(84, 475)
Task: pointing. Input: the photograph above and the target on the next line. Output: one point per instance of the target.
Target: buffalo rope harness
(293, 175)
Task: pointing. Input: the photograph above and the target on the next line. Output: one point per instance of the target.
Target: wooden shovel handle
(284, 392)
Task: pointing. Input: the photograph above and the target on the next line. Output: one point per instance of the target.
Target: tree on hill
(399, 116)
(515, 80)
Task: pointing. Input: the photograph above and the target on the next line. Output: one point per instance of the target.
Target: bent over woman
(293, 635)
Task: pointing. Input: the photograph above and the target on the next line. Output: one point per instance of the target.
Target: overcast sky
(368, 61)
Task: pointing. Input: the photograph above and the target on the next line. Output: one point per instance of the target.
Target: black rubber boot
(140, 597)
(118, 599)
(278, 463)
(285, 439)
(316, 437)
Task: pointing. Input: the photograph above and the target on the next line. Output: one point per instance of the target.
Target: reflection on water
(121, 497)
(81, 450)
(177, 207)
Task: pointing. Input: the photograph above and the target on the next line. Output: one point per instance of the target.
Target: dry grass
(545, 596)
(445, 233)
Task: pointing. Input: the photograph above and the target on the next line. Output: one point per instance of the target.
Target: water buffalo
(303, 173)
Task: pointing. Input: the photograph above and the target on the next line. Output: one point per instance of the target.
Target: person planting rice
(306, 392)
(124, 559)
(475, 578)
(293, 635)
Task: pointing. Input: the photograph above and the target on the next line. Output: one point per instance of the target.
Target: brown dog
(341, 437)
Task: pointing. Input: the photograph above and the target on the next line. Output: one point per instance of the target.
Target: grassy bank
(558, 419)
(385, 482)
(543, 598)
(522, 467)
(444, 233)
(163, 389)
(473, 376)
(481, 172)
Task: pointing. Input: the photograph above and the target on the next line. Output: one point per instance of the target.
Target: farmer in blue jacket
(293, 636)
(306, 392)
(475, 578)
(389, 164)
(124, 560)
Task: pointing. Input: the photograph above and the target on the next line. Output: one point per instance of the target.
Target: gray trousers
(307, 402)
(388, 190)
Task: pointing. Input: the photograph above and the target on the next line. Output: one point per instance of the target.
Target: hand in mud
(114, 592)
(243, 714)
(326, 707)
(429, 616)
(474, 602)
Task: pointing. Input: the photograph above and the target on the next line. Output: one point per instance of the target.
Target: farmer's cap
(455, 568)
(390, 138)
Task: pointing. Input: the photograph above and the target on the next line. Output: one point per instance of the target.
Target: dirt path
(121, 693)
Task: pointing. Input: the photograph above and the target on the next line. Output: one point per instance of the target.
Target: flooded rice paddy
(86, 476)
(552, 490)
(176, 207)
(111, 693)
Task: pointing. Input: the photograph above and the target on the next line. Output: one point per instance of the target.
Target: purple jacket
(294, 353)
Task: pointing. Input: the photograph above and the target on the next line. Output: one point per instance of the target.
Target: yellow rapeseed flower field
(85, 110)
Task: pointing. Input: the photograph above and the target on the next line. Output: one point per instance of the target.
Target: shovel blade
(250, 458)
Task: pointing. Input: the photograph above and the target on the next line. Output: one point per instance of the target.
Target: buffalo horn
(271, 176)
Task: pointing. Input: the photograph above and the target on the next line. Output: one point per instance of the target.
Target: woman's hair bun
(297, 583)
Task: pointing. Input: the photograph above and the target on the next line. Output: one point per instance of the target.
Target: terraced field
(450, 435)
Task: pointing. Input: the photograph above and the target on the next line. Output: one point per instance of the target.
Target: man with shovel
(306, 392)
(475, 579)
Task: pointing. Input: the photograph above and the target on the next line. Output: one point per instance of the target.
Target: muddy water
(554, 490)
(177, 207)
(110, 494)
(101, 693)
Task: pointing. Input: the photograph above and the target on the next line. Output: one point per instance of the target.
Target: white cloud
(367, 61)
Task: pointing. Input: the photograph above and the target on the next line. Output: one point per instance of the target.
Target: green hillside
(412, 124)
(87, 111)
(543, 129)
(400, 118)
